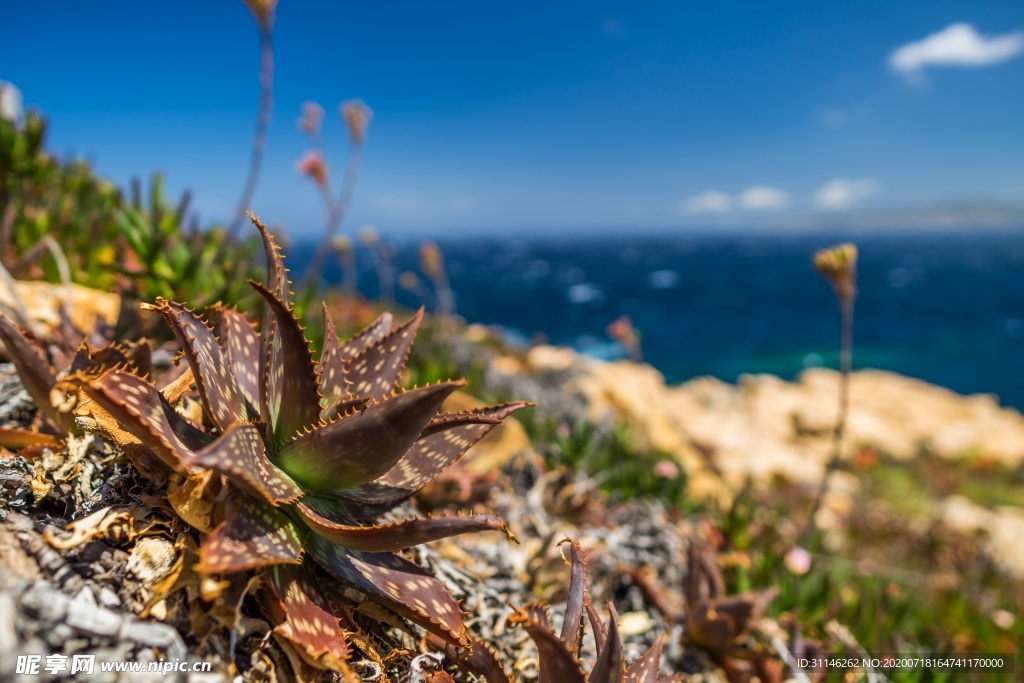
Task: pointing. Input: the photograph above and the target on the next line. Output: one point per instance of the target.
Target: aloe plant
(312, 453)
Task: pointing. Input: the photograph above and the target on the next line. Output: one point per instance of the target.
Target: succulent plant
(310, 453)
(559, 655)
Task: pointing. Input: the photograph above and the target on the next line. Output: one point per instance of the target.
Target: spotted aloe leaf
(292, 385)
(270, 345)
(241, 345)
(647, 667)
(253, 535)
(360, 447)
(484, 661)
(396, 583)
(370, 335)
(142, 411)
(36, 375)
(344, 406)
(375, 371)
(218, 388)
(277, 274)
(240, 455)
(331, 367)
(609, 665)
(328, 521)
(556, 663)
(309, 620)
(442, 442)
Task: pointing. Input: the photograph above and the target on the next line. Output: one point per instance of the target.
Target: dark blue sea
(944, 307)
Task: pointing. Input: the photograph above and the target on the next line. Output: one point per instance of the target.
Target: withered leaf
(142, 411)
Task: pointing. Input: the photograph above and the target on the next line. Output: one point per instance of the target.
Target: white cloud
(760, 198)
(842, 193)
(956, 45)
(709, 201)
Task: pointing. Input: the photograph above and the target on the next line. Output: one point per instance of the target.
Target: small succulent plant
(304, 455)
(559, 655)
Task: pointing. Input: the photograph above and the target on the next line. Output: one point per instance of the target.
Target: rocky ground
(87, 556)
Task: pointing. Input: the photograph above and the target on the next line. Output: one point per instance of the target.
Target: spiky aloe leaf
(345, 405)
(600, 632)
(241, 456)
(556, 663)
(140, 357)
(375, 371)
(241, 345)
(87, 358)
(646, 668)
(358, 448)
(309, 620)
(443, 441)
(327, 520)
(572, 626)
(609, 665)
(143, 412)
(270, 350)
(35, 373)
(369, 335)
(294, 398)
(331, 367)
(277, 274)
(396, 583)
(254, 535)
(484, 661)
(218, 388)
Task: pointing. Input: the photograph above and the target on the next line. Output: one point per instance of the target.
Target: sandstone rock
(42, 301)
(1003, 528)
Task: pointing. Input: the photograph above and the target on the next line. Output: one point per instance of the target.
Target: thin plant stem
(845, 368)
(259, 137)
(335, 214)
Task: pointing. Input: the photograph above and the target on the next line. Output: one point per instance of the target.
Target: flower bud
(357, 117)
(838, 265)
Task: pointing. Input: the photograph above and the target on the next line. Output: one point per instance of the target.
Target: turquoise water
(945, 307)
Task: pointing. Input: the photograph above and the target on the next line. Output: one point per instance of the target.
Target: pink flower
(312, 165)
(666, 469)
(798, 561)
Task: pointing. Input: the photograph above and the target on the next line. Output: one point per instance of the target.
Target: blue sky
(537, 116)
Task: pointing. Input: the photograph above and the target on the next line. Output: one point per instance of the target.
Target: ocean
(946, 307)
